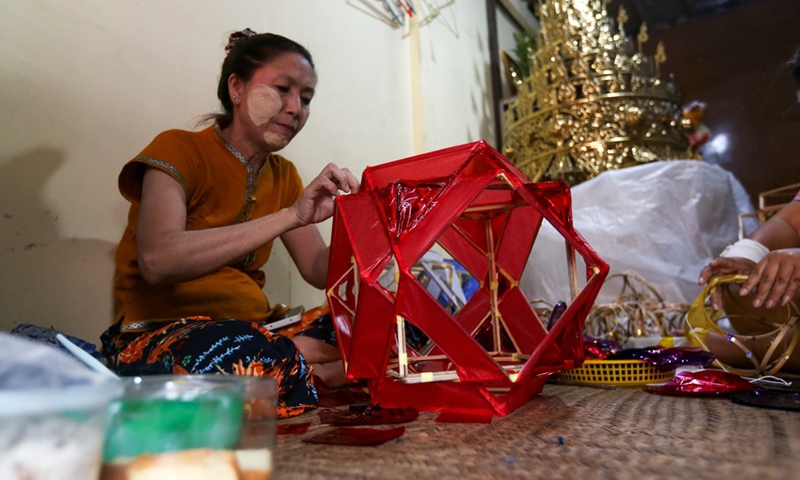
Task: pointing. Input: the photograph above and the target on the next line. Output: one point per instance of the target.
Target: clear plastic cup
(54, 432)
(191, 426)
(257, 441)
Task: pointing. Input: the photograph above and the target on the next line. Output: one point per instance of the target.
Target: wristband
(746, 248)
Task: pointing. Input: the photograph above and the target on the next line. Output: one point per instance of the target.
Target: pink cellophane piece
(494, 353)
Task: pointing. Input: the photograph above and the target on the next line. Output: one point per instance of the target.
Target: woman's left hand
(775, 279)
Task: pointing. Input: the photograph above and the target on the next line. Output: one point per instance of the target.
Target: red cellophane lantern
(492, 354)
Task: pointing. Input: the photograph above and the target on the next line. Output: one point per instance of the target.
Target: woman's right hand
(724, 266)
(316, 203)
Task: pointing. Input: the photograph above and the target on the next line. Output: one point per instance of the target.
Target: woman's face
(276, 101)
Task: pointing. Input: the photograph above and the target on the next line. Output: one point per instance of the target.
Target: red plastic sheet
(495, 353)
(293, 428)
(369, 415)
(331, 398)
(355, 436)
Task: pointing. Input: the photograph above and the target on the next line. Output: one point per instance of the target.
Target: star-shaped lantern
(474, 206)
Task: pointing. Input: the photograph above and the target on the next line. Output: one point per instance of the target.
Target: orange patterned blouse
(215, 178)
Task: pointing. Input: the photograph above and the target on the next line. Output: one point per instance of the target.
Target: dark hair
(794, 65)
(247, 51)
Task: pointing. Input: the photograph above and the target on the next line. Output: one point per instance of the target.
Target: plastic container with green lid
(168, 413)
(168, 427)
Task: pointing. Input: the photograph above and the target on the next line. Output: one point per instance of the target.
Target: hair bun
(235, 37)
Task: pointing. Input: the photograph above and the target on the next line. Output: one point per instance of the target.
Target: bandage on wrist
(746, 248)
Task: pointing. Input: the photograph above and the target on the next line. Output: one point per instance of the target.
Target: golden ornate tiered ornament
(593, 100)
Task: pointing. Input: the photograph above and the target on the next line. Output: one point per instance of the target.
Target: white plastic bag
(663, 220)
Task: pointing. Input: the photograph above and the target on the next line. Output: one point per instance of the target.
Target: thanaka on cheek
(273, 138)
(263, 103)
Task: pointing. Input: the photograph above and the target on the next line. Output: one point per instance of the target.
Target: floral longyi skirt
(205, 345)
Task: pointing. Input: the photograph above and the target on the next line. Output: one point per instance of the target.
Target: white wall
(456, 77)
(85, 85)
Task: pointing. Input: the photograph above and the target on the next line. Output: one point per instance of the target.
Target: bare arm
(776, 278)
(309, 253)
(782, 230)
(305, 244)
(168, 253)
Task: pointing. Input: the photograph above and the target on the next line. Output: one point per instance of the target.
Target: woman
(770, 258)
(205, 209)
(768, 298)
(771, 254)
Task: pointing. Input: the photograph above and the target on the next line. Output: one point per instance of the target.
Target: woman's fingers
(780, 284)
(316, 204)
(351, 180)
(716, 299)
(724, 266)
(775, 279)
(791, 289)
(343, 178)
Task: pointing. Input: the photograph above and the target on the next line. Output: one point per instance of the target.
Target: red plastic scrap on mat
(356, 436)
(371, 415)
(494, 353)
(703, 383)
(293, 428)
